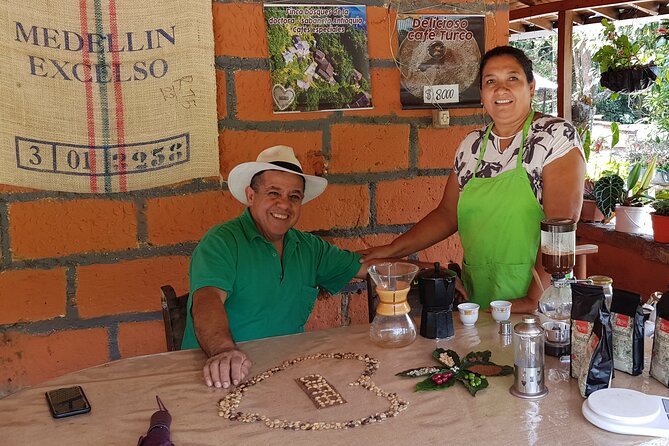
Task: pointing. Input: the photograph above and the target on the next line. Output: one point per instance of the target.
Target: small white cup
(469, 313)
(500, 309)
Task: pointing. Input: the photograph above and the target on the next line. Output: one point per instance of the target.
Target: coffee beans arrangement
(228, 406)
(471, 371)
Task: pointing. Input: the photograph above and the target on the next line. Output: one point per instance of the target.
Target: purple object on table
(159, 430)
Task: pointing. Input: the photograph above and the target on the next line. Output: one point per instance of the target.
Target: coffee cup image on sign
(438, 62)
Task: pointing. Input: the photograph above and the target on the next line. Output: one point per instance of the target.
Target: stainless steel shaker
(528, 359)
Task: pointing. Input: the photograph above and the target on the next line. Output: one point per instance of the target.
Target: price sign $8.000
(441, 94)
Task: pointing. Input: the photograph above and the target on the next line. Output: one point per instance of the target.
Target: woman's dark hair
(519, 55)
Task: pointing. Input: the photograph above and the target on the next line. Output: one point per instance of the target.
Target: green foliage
(615, 134)
(458, 370)
(661, 206)
(624, 109)
(619, 52)
(661, 203)
(611, 190)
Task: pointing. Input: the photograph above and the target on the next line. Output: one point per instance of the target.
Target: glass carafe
(392, 326)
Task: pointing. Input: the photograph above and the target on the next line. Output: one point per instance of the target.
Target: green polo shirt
(266, 296)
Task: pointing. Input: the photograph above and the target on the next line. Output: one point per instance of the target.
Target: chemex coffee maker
(436, 288)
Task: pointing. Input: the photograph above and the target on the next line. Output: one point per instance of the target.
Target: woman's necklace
(505, 137)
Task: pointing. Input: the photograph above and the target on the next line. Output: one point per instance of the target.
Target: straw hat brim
(241, 175)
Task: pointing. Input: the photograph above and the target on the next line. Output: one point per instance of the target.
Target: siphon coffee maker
(558, 256)
(392, 325)
(436, 287)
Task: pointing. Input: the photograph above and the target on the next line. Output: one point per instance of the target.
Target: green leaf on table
(479, 362)
(470, 388)
(437, 354)
(428, 384)
(419, 371)
(476, 358)
(491, 369)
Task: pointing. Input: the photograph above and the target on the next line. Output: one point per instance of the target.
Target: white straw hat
(280, 158)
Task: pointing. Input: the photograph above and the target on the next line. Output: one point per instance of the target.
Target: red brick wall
(80, 274)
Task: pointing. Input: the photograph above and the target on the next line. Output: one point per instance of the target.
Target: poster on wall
(100, 97)
(318, 57)
(438, 58)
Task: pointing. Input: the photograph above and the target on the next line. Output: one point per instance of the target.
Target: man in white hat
(256, 276)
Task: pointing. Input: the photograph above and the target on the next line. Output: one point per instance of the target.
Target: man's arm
(226, 363)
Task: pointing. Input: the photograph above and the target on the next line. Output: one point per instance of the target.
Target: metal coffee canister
(528, 359)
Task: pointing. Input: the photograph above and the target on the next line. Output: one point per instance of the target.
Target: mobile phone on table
(67, 401)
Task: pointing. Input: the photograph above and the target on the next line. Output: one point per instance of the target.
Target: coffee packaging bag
(627, 321)
(591, 339)
(659, 362)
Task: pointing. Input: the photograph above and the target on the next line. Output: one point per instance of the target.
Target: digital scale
(626, 411)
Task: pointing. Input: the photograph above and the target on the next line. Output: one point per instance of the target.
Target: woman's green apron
(499, 224)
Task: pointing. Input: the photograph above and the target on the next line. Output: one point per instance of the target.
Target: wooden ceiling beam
(579, 19)
(608, 12)
(559, 6)
(633, 13)
(650, 8)
(542, 22)
(517, 27)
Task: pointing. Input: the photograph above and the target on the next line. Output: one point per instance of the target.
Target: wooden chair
(174, 316)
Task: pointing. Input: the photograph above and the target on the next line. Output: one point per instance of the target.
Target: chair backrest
(174, 316)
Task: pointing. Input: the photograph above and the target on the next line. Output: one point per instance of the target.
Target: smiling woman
(507, 177)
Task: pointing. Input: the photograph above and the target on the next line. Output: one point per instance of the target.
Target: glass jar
(558, 246)
(607, 284)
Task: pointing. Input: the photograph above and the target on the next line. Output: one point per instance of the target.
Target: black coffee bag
(591, 339)
(627, 321)
(659, 361)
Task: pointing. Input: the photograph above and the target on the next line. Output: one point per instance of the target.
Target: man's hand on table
(228, 366)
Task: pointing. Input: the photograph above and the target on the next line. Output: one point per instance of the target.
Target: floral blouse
(549, 138)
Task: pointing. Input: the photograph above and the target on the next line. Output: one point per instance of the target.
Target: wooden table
(122, 394)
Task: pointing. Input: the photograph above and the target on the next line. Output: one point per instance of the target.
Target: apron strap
(526, 130)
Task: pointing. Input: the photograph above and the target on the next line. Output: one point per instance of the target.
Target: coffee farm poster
(318, 57)
(438, 57)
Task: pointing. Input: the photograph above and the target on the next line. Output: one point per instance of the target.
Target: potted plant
(626, 200)
(589, 211)
(646, 150)
(622, 63)
(660, 217)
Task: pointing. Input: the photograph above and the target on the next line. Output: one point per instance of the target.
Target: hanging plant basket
(629, 80)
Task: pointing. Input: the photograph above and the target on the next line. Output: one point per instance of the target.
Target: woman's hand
(376, 252)
(460, 292)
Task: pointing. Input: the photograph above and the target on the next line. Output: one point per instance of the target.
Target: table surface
(122, 396)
